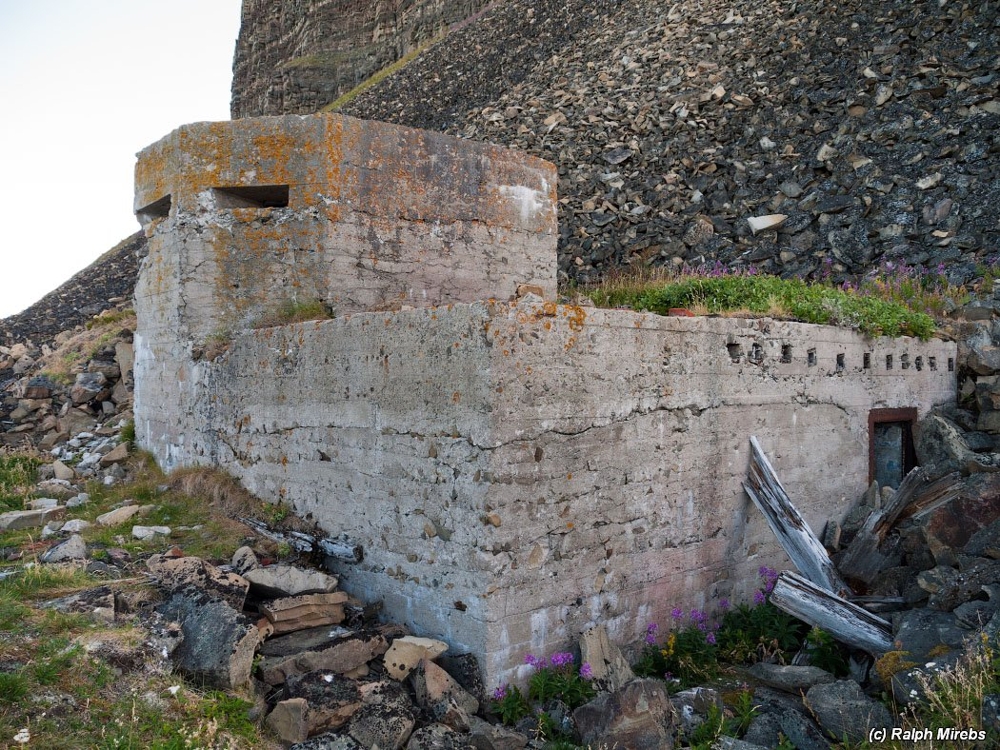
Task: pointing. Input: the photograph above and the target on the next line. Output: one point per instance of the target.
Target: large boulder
(941, 448)
(845, 712)
(638, 716)
(219, 642)
(953, 524)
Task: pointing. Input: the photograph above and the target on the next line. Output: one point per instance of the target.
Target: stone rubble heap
(75, 415)
(867, 132)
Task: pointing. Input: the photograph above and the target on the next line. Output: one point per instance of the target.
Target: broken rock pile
(870, 129)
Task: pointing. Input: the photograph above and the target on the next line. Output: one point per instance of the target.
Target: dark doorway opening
(890, 445)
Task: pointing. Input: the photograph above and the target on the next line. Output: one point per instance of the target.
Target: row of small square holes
(757, 356)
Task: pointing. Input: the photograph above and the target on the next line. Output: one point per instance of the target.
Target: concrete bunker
(515, 469)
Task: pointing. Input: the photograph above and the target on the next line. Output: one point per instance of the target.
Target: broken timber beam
(848, 623)
(862, 561)
(793, 533)
(339, 549)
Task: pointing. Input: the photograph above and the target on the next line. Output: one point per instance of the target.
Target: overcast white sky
(83, 86)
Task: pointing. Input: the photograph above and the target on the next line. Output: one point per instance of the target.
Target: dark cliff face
(297, 56)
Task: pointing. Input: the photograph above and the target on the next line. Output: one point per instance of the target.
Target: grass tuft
(893, 305)
(294, 311)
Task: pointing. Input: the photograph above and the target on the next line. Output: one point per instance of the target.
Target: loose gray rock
(386, 719)
(790, 679)
(73, 548)
(117, 516)
(330, 741)
(219, 642)
(611, 671)
(844, 711)
(486, 736)
(437, 737)
(14, 520)
(638, 716)
(287, 580)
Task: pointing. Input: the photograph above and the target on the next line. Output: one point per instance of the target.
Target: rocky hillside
(104, 284)
(296, 57)
(872, 128)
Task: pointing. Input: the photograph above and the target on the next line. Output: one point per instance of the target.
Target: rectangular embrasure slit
(786, 353)
(158, 209)
(252, 196)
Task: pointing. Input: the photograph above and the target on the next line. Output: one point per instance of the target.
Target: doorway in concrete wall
(890, 445)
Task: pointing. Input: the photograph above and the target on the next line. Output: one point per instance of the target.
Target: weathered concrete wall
(514, 471)
(245, 216)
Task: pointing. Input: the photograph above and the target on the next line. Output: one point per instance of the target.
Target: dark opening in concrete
(890, 445)
(252, 196)
(158, 209)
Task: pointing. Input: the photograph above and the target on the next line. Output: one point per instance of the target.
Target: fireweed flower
(710, 638)
(585, 671)
(758, 597)
(500, 693)
(723, 604)
(677, 613)
(769, 576)
(651, 633)
(697, 616)
(533, 661)
(561, 658)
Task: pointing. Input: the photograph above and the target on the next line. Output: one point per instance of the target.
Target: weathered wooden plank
(862, 561)
(342, 550)
(846, 622)
(339, 549)
(793, 533)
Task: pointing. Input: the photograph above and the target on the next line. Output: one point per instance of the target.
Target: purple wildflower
(710, 638)
(561, 658)
(500, 693)
(698, 616)
(702, 626)
(769, 576)
(534, 661)
(724, 604)
(651, 633)
(677, 613)
(585, 671)
(758, 597)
